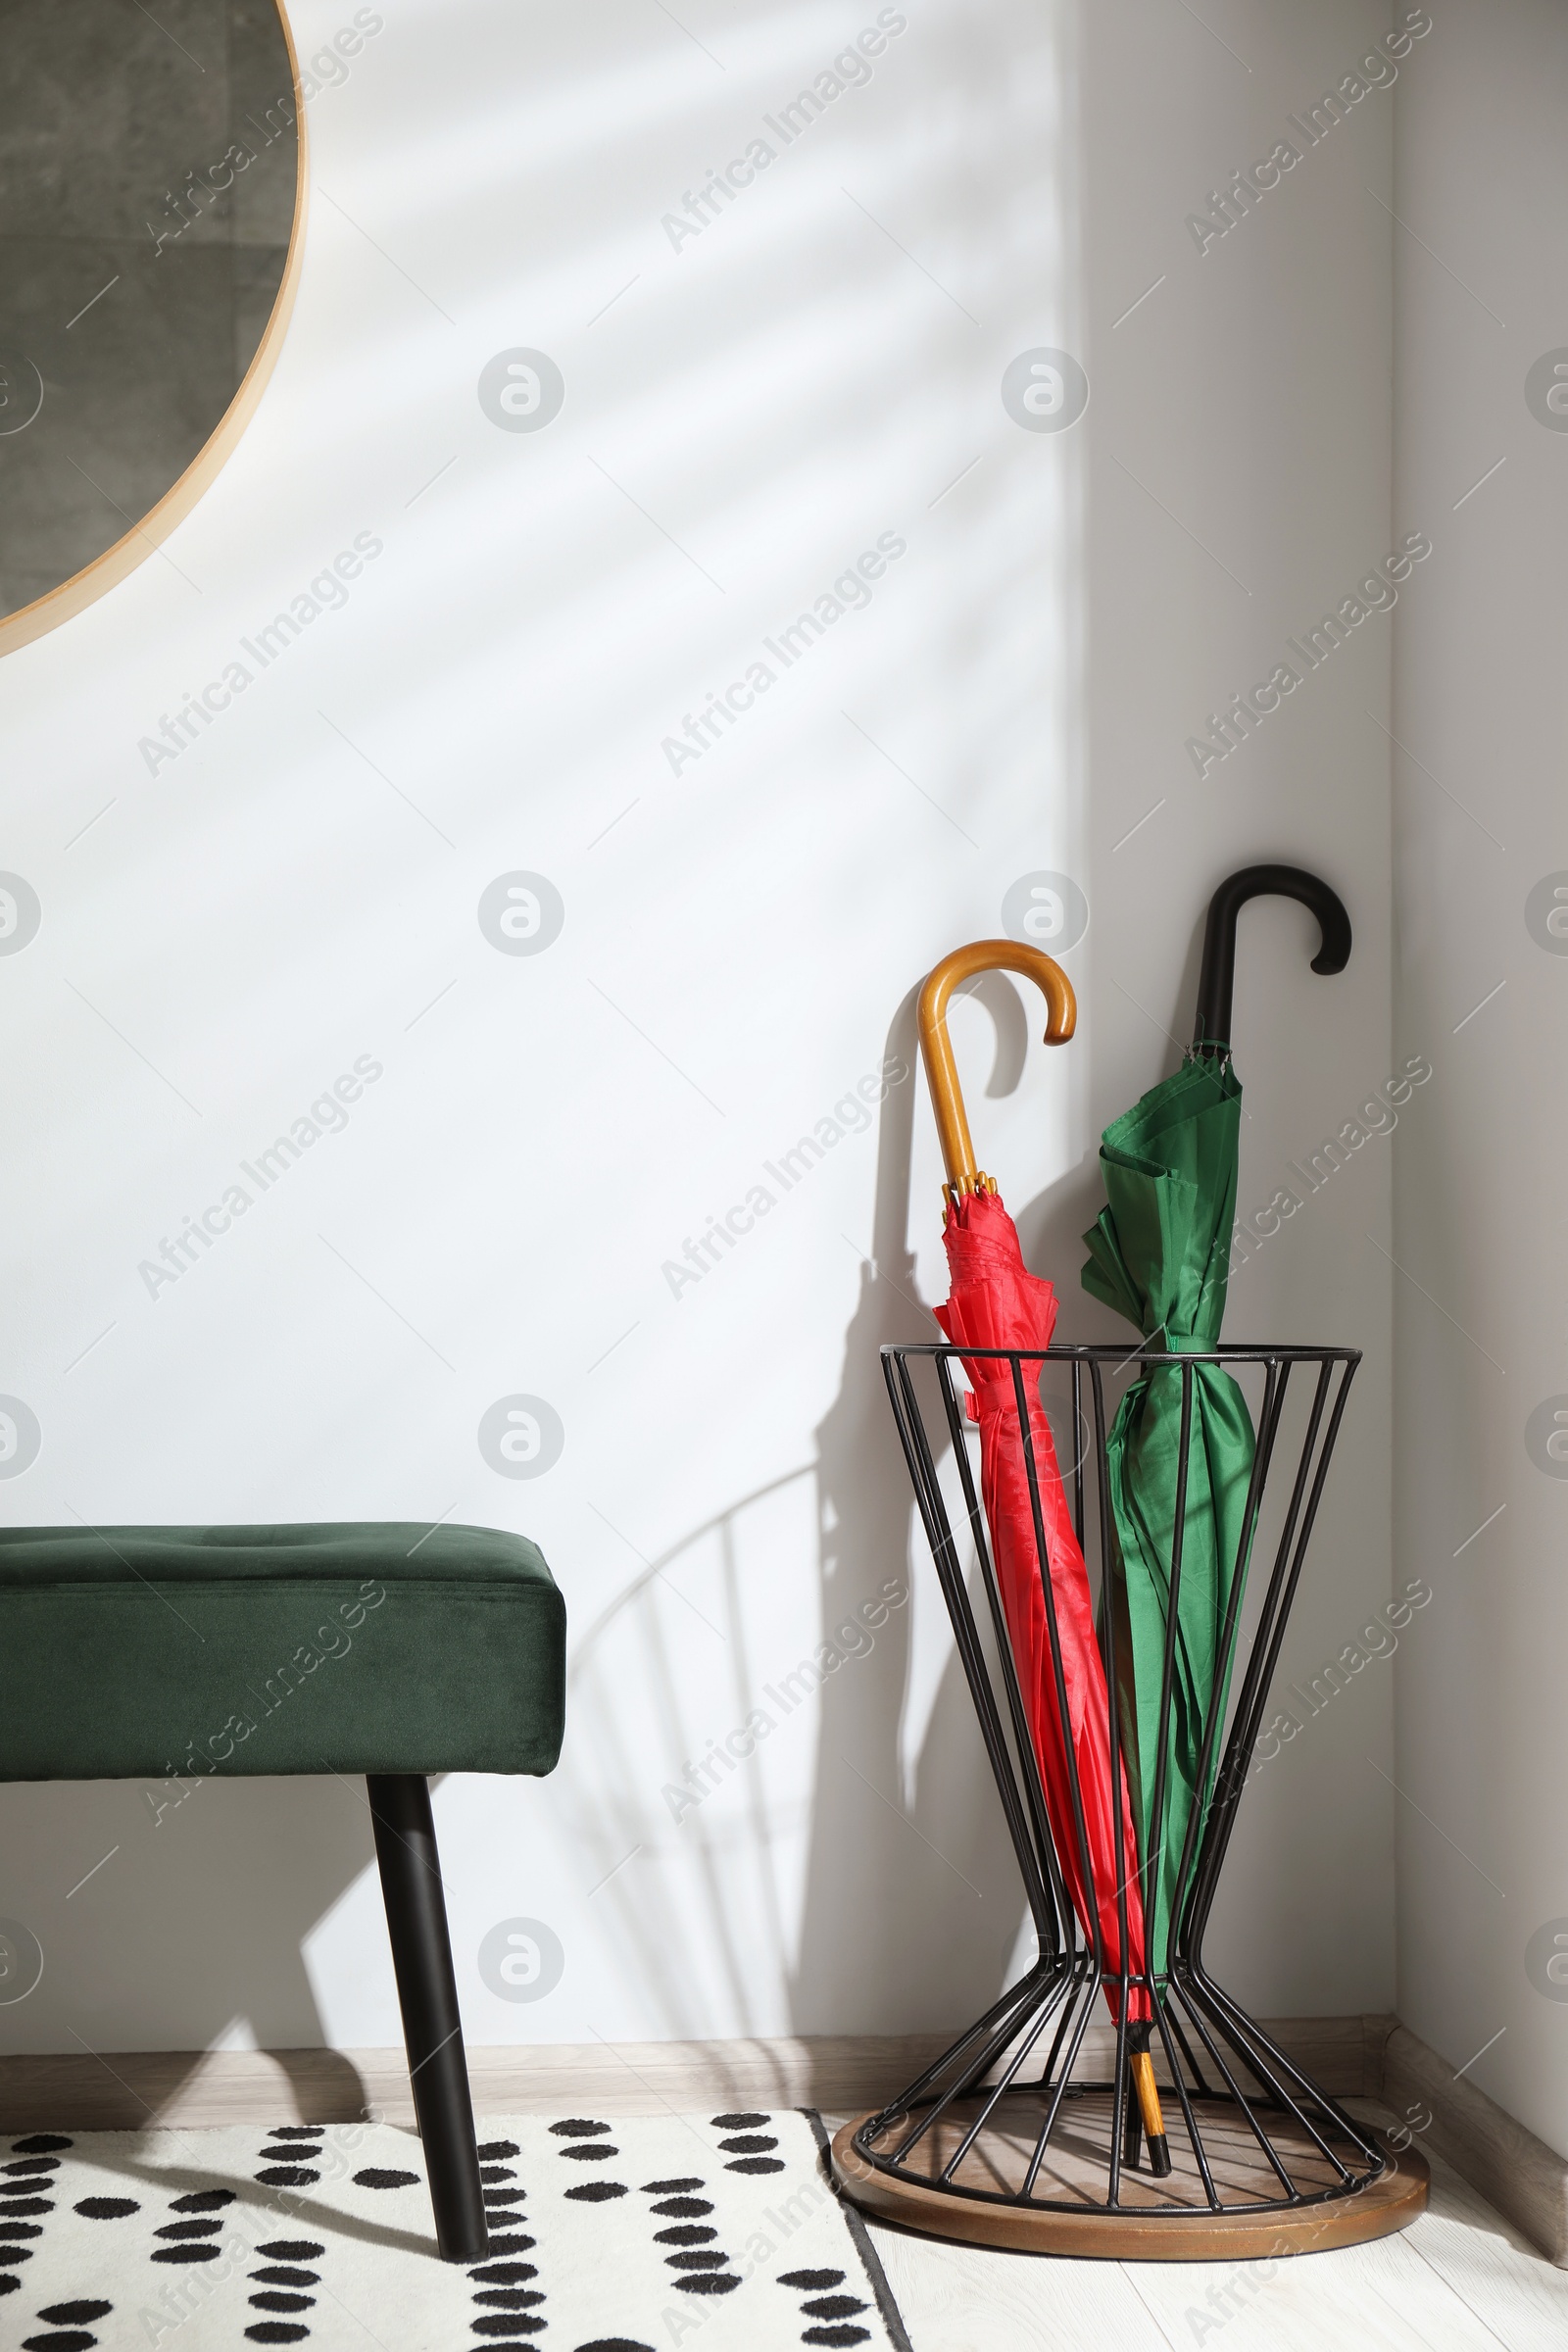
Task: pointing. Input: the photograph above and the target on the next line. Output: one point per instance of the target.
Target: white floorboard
(1460, 2279)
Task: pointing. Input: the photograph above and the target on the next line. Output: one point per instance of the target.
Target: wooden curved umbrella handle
(936, 1048)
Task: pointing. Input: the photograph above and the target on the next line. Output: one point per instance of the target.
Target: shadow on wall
(282, 1851)
(882, 1837)
(905, 1924)
(855, 1877)
(862, 1918)
(851, 1878)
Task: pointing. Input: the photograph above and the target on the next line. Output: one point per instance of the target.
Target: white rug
(716, 2232)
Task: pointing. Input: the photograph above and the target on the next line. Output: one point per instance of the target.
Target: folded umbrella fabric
(995, 1301)
(1159, 1254)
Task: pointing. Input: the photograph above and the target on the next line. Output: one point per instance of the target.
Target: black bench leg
(428, 1994)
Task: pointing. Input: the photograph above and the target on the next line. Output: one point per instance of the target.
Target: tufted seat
(140, 1651)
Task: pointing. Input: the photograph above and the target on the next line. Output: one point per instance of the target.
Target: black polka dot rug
(632, 2234)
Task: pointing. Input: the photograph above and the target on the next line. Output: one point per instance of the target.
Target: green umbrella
(1159, 1254)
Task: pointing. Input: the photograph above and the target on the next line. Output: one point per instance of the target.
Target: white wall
(1480, 823)
(742, 419)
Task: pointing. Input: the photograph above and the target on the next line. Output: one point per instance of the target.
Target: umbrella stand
(992, 2143)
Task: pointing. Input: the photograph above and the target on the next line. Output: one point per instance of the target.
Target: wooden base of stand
(1165, 2219)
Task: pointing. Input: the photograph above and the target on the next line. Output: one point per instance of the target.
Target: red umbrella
(995, 1301)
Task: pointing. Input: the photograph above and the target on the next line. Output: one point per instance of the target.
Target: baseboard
(1366, 2057)
(842, 2074)
(1514, 2170)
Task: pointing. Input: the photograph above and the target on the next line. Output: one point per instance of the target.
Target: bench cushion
(133, 1652)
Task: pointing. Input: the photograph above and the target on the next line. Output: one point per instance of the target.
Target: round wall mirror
(152, 206)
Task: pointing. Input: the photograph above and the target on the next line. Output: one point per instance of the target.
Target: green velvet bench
(392, 1650)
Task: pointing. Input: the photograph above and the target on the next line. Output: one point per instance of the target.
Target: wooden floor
(1460, 2279)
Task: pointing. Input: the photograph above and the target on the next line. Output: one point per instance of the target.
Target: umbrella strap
(1215, 1051)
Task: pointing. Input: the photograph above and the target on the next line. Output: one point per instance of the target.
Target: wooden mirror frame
(143, 538)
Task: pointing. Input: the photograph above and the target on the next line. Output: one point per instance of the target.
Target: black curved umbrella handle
(1217, 978)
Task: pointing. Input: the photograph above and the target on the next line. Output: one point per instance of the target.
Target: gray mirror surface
(147, 197)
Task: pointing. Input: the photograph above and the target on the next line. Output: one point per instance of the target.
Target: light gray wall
(224, 931)
(1480, 822)
(1240, 489)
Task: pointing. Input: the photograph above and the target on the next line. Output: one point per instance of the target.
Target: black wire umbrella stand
(982, 2146)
